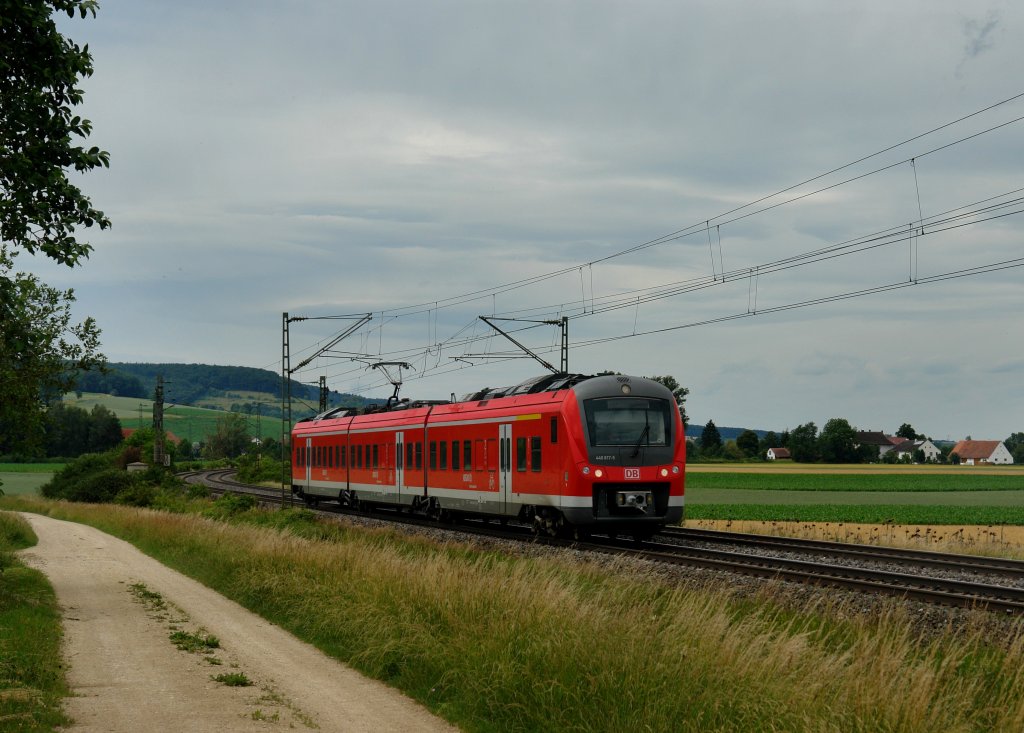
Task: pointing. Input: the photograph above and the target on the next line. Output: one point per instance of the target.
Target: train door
(399, 465)
(504, 466)
(308, 467)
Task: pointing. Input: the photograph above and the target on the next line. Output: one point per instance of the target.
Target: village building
(878, 439)
(778, 454)
(905, 449)
(978, 452)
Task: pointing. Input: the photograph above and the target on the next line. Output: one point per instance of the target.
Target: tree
(771, 440)
(40, 347)
(907, 432)
(104, 429)
(837, 442)
(1015, 444)
(40, 210)
(710, 439)
(749, 443)
(231, 438)
(803, 443)
(679, 392)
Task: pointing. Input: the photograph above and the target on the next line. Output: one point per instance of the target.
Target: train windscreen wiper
(643, 434)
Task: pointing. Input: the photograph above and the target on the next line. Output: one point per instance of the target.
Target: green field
(22, 483)
(868, 495)
(924, 480)
(194, 423)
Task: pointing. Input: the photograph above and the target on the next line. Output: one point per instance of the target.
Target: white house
(976, 452)
(775, 454)
(907, 448)
(879, 440)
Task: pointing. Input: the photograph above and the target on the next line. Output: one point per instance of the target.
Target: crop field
(862, 482)
(194, 423)
(871, 495)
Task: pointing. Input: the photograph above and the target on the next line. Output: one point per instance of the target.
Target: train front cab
(629, 467)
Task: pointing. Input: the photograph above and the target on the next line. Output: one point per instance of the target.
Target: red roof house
(973, 452)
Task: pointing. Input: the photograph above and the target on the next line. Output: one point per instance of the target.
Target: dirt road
(120, 608)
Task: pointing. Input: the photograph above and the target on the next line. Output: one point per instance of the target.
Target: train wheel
(578, 534)
(548, 522)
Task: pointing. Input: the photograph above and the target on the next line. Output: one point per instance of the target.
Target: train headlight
(586, 470)
(626, 389)
(675, 469)
(664, 472)
(598, 473)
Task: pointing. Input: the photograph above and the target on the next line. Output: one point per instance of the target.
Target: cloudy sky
(413, 159)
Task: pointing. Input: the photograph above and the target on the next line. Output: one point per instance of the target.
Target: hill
(693, 430)
(238, 389)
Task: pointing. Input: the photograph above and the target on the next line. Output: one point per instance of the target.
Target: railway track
(954, 580)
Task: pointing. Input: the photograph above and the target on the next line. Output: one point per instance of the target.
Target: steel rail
(904, 556)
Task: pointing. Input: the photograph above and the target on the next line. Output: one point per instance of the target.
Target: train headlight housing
(586, 470)
(675, 469)
(664, 472)
(598, 473)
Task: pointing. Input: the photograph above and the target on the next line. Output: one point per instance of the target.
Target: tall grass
(31, 675)
(496, 643)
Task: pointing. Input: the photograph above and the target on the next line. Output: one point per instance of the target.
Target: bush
(66, 481)
(229, 505)
(100, 487)
(137, 493)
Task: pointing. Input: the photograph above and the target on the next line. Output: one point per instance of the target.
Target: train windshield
(631, 421)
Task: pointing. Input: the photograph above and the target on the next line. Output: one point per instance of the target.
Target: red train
(569, 453)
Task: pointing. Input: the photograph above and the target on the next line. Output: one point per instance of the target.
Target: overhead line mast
(562, 323)
(286, 380)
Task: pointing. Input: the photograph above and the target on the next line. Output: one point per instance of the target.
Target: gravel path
(127, 675)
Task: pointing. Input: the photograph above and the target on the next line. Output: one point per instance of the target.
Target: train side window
(376, 455)
(554, 430)
(433, 455)
(419, 455)
(344, 454)
(409, 448)
(359, 456)
(443, 456)
(520, 454)
(399, 456)
(455, 455)
(535, 453)
(330, 457)
(317, 452)
(467, 455)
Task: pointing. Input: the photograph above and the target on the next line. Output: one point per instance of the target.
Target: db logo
(632, 474)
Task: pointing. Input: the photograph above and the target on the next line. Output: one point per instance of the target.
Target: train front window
(628, 421)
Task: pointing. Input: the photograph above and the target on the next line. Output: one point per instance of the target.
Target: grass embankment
(497, 642)
(31, 676)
